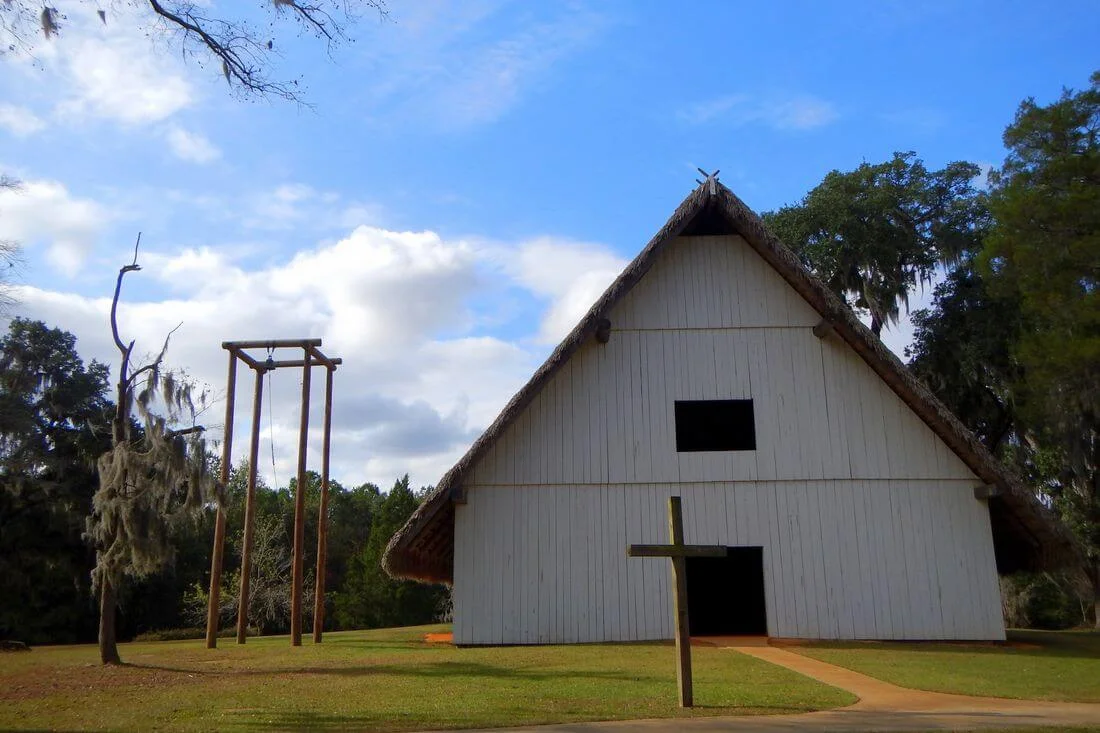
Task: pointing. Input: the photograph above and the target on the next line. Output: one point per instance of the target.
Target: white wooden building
(716, 368)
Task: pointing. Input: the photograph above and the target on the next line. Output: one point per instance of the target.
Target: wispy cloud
(299, 207)
(569, 275)
(796, 112)
(442, 67)
(44, 213)
(191, 146)
(119, 78)
(493, 79)
(113, 71)
(19, 121)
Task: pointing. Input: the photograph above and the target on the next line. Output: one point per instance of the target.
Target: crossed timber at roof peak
(711, 178)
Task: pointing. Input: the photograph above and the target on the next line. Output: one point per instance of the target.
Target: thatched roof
(1026, 536)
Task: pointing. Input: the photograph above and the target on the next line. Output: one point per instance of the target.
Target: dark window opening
(713, 425)
(726, 594)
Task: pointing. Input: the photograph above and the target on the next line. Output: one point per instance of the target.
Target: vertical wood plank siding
(867, 519)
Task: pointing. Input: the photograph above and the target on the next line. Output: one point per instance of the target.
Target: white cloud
(19, 121)
(439, 66)
(298, 207)
(710, 110)
(415, 388)
(797, 112)
(120, 78)
(115, 71)
(493, 79)
(44, 213)
(191, 146)
(571, 275)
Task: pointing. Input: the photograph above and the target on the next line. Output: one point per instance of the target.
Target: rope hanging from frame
(271, 425)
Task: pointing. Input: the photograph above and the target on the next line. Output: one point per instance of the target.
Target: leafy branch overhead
(243, 51)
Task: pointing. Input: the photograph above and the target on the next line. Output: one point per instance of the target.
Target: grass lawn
(381, 680)
(1037, 665)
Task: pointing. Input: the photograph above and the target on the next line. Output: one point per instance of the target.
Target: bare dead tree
(149, 477)
(10, 251)
(243, 52)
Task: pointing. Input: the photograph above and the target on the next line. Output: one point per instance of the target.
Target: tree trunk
(108, 646)
(1096, 592)
(876, 325)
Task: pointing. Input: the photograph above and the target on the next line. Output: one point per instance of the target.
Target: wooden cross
(677, 552)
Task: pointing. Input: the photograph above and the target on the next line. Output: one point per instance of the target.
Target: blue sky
(468, 178)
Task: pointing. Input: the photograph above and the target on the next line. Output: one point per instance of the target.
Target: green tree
(370, 598)
(351, 516)
(963, 350)
(1045, 250)
(269, 583)
(54, 423)
(874, 233)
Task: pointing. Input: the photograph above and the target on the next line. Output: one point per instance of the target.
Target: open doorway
(726, 594)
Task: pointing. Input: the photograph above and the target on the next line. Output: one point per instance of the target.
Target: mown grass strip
(1033, 665)
(387, 680)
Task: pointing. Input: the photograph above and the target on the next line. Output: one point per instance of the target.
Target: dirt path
(881, 707)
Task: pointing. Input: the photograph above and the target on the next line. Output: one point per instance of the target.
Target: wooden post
(678, 552)
(300, 513)
(679, 583)
(311, 357)
(214, 597)
(250, 497)
(322, 518)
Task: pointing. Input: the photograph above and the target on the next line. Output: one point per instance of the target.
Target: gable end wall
(875, 508)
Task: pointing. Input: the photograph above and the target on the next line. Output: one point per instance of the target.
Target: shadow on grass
(412, 645)
(304, 720)
(424, 669)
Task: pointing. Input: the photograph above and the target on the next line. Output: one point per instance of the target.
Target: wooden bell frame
(311, 357)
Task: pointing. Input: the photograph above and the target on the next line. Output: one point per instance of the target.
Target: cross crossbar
(676, 551)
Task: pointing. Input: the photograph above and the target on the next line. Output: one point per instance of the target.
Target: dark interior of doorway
(726, 594)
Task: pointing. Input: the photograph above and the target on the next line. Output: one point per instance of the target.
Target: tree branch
(309, 14)
(114, 303)
(232, 63)
(244, 50)
(244, 55)
(184, 431)
(160, 357)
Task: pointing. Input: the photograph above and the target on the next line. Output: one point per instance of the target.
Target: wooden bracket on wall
(987, 491)
(603, 330)
(823, 329)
